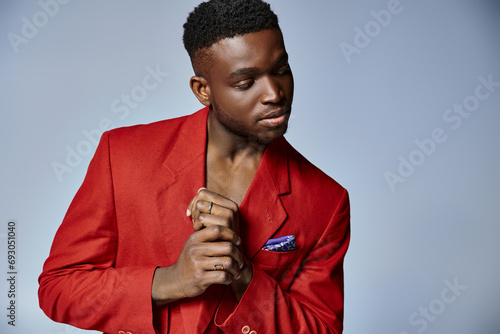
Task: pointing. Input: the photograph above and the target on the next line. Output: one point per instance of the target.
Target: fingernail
(238, 242)
(242, 265)
(188, 212)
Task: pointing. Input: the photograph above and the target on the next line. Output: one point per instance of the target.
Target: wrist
(165, 287)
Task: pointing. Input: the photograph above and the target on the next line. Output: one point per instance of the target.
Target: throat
(230, 180)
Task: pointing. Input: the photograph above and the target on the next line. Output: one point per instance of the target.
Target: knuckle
(217, 229)
(227, 247)
(190, 252)
(224, 277)
(228, 263)
(193, 250)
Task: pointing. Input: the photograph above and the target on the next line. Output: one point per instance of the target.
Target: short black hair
(215, 20)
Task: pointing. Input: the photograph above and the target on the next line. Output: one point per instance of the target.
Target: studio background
(396, 100)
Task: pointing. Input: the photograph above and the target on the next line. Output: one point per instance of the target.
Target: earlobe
(201, 89)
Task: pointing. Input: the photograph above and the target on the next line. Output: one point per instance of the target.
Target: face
(250, 85)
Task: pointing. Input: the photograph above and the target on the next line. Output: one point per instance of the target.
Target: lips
(276, 114)
(276, 118)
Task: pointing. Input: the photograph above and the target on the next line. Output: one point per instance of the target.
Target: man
(208, 223)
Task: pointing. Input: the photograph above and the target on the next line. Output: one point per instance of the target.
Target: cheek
(242, 103)
(288, 86)
(248, 100)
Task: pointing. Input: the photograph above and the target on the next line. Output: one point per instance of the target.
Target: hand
(208, 208)
(194, 270)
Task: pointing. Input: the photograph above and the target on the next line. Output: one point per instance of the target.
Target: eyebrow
(249, 70)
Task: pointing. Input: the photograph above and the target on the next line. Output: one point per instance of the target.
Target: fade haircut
(215, 20)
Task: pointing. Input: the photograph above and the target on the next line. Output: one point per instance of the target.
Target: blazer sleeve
(79, 284)
(313, 303)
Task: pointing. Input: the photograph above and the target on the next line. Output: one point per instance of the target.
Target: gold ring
(210, 207)
(217, 266)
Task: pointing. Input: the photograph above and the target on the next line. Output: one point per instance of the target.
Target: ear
(201, 89)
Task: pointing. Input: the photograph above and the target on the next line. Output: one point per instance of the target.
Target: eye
(244, 85)
(285, 70)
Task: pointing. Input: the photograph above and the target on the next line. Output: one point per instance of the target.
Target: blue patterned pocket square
(281, 244)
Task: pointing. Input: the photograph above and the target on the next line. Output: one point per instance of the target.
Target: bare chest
(232, 184)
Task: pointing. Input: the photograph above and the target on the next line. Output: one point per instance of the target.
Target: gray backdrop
(396, 100)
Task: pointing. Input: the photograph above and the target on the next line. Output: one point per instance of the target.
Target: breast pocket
(277, 264)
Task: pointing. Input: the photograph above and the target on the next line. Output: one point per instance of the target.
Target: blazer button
(253, 332)
(245, 330)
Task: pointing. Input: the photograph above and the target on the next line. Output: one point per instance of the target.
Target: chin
(277, 133)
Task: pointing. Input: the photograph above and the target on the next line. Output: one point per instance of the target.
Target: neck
(229, 146)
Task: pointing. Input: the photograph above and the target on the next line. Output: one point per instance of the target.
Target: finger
(223, 249)
(206, 276)
(217, 216)
(219, 277)
(206, 220)
(202, 206)
(199, 248)
(192, 202)
(216, 233)
(226, 264)
(201, 252)
(210, 196)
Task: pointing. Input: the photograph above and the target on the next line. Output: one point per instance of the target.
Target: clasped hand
(211, 255)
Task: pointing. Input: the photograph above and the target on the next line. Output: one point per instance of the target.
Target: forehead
(256, 50)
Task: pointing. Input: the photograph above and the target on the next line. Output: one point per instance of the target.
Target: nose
(271, 92)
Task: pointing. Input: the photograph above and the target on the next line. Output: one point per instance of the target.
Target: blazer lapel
(183, 173)
(180, 177)
(262, 212)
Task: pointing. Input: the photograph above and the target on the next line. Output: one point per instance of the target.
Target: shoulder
(308, 177)
(147, 145)
(158, 138)
(147, 133)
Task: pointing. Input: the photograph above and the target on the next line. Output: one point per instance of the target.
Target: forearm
(89, 298)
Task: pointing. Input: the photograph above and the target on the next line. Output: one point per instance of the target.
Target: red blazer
(129, 217)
